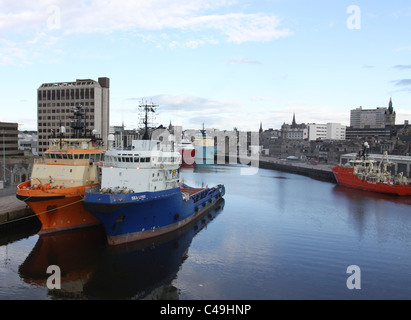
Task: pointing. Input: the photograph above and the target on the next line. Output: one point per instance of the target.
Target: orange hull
(347, 178)
(57, 209)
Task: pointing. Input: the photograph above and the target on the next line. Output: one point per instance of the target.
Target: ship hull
(138, 216)
(57, 209)
(346, 177)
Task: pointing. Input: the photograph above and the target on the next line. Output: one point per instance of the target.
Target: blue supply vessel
(141, 195)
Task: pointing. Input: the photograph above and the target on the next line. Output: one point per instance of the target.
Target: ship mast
(77, 125)
(145, 110)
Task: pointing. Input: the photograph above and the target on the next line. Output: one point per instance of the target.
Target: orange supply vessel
(58, 181)
(370, 175)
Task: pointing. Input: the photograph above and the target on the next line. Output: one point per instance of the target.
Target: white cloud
(104, 16)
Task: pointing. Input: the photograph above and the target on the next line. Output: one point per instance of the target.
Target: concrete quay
(13, 210)
(321, 172)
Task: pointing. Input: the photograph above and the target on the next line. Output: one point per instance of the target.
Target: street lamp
(4, 160)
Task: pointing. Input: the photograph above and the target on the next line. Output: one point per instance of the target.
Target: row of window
(63, 110)
(66, 94)
(62, 117)
(67, 104)
(75, 156)
(137, 159)
(53, 124)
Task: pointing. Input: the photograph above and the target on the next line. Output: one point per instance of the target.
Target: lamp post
(4, 159)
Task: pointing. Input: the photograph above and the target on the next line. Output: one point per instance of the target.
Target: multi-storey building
(9, 139)
(55, 102)
(329, 131)
(377, 118)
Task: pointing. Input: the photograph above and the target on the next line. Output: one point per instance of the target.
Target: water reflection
(90, 269)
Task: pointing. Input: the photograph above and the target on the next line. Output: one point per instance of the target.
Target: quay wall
(320, 172)
(13, 211)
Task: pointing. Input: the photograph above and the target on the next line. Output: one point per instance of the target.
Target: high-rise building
(55, 103)
(377, 118)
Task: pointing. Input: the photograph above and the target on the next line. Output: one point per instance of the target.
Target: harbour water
(275, 235)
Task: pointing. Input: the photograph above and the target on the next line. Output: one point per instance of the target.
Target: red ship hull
(346, 177)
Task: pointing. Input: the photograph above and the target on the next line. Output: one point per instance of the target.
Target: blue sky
(224, 63)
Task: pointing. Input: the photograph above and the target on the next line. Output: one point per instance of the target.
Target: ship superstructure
(59, 179)
(141, 194)
(370, 175)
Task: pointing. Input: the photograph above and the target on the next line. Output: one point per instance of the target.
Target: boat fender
(176, 216)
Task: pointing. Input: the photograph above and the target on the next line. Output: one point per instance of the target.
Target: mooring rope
(40, 213)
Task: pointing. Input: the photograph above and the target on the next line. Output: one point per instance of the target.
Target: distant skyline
(224, 63)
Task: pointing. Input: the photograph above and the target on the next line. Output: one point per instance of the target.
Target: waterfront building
(329, 131)
(378, 118)
(379, 122)
(56, 100)
(9, 141)
(294, 131)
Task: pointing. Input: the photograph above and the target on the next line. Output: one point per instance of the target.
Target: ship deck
(192, 191)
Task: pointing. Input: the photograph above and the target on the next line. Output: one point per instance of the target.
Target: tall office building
(377, 118)
(55, 103)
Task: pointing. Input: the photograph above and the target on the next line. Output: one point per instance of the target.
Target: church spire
(390, 108)
(261, 127)
(294, 124)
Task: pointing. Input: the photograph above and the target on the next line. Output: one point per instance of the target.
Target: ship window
(70, 156)
(47, 156)
(58, 156)
(147, 159)
(143, 160)
(64, 156)
(76, 156)
(136, 159)
(97, 157)
(86, 156)
(81, 156)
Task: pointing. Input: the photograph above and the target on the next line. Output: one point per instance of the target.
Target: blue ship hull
(136, 216)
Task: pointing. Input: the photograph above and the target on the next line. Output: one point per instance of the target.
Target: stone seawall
(319, 172)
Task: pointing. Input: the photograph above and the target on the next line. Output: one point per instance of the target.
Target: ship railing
(94, 189)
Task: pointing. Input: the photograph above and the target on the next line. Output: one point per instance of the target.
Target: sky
(224, 63)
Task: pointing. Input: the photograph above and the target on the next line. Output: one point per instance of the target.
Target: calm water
(275, 236)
